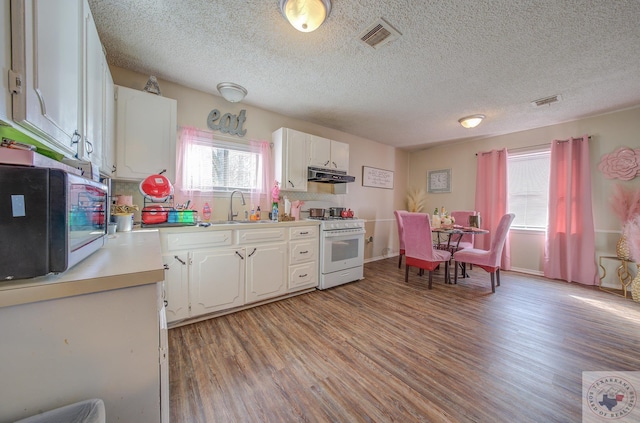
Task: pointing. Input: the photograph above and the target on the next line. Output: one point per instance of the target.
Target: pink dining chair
(399, 214)
(489, 259)
(419, 250)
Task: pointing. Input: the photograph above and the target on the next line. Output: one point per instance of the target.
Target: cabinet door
(46, 53)
(176, 286)
(109, 140)
(216, 280)
(296, 162)
(339, 155)
(319, 151)
(145, 134)
(94, 75)
(266, 272)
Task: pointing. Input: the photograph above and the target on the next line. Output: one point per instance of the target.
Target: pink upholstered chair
(419, 251)
(399, 214)
(489, 260)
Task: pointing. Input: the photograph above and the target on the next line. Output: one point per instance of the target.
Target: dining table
(448, 238)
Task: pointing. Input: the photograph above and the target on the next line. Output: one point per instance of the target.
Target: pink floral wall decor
(623, 163)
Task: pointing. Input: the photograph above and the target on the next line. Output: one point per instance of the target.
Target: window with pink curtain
(491, 198)
(209, 164)
(570, 238)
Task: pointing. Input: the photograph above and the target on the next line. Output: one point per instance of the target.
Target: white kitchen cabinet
(290, 155)
(109, 140)
(303, 258)
(176, 286)
(340, 155)
(266, 272)
(145, 134)
(46, 75)
(93, 92)
(328, 153)
(217, 280)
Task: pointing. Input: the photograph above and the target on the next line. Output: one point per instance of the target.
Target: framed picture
(377, 178)
(439, 181)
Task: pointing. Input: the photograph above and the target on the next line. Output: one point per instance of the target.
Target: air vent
(378, 34)
(546, 101)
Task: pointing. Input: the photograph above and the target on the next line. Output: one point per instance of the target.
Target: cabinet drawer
(252, 236)
(190, 241)
(303, 251)
(302, 232)
(303, 276)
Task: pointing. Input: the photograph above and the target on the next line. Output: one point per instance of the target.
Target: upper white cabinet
(109, 141)
(328, 153)
(145, 134)
(290, 156)
(59, 77)
(46, 76)
(93, 92)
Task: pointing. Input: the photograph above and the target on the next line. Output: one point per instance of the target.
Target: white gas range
(341, 251)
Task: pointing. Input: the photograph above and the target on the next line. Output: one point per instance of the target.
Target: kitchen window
(528, 187)
(208, 164)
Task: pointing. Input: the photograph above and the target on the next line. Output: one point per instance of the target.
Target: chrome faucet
(231, 215)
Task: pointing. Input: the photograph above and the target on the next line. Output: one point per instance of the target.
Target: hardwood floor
(380, 350)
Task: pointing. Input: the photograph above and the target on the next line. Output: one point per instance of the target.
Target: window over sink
(208, 163)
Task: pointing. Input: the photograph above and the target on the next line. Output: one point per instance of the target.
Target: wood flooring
(382, 350)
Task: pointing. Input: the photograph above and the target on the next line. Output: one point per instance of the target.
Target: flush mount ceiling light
(305, 15)
(471, 121)
(232, 92)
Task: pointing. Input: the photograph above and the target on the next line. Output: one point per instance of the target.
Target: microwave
(50, 220)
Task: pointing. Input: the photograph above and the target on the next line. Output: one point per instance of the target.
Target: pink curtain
(260, 195)
(491, 199)
(570, 241)
(185, 141)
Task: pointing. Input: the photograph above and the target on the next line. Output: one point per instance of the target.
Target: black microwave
(50, 220)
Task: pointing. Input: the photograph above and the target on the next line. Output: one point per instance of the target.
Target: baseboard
(370, 259)
(527, 271)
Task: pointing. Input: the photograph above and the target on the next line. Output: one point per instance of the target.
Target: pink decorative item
(632, 232)
(124, 200)
(623, 163)
(275, 192)
(295, 209)
(625, 203)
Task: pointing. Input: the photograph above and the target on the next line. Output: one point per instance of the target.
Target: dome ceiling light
(471, 121)
(232, 92)
(305, 15)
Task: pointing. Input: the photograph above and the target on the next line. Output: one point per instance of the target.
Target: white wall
(5, 59)
(376, 205)
(608, 132)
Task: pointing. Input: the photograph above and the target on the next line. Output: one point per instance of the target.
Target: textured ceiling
(454, 58)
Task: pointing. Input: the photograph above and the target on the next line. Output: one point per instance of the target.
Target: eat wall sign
(227, 123)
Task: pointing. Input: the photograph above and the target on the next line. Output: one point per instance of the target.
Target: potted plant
(632, 232)
(625, 204)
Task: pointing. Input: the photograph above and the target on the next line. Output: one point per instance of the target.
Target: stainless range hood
(329, 176)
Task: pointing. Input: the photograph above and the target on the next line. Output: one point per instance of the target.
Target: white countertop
(264, 224)
(127, 259)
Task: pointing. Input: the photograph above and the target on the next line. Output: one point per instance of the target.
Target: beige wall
(608, 132)
(373, 204)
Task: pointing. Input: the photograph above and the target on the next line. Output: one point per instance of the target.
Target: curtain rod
(533, 146)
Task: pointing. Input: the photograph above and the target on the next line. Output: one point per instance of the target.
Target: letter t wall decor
(228, 124)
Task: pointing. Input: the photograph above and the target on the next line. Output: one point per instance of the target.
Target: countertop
(127, 259)
(263, 224)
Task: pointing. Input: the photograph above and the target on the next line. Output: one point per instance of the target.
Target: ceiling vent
(546, 101)
(378, 34)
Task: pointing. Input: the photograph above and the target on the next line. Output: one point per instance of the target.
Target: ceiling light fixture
(305, 15)
(232, 92)
(471, 121)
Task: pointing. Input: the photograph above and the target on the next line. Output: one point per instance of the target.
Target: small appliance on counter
(159, 210)
(50, 220)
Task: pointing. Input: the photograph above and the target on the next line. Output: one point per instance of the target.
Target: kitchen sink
(230, 222)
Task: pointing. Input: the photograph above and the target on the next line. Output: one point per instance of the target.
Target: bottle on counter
(206, 212)
(435, 221)
(258, 213)
(274, 212)
(252, 215)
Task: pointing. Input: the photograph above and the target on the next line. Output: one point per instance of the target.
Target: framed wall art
(377, 178)
(439, 180)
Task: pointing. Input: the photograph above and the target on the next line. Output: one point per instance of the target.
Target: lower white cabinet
(217, 280)
(212, 271)
(176, 286)
(266, 272)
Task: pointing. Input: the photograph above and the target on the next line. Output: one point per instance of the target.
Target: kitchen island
(90, 332)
